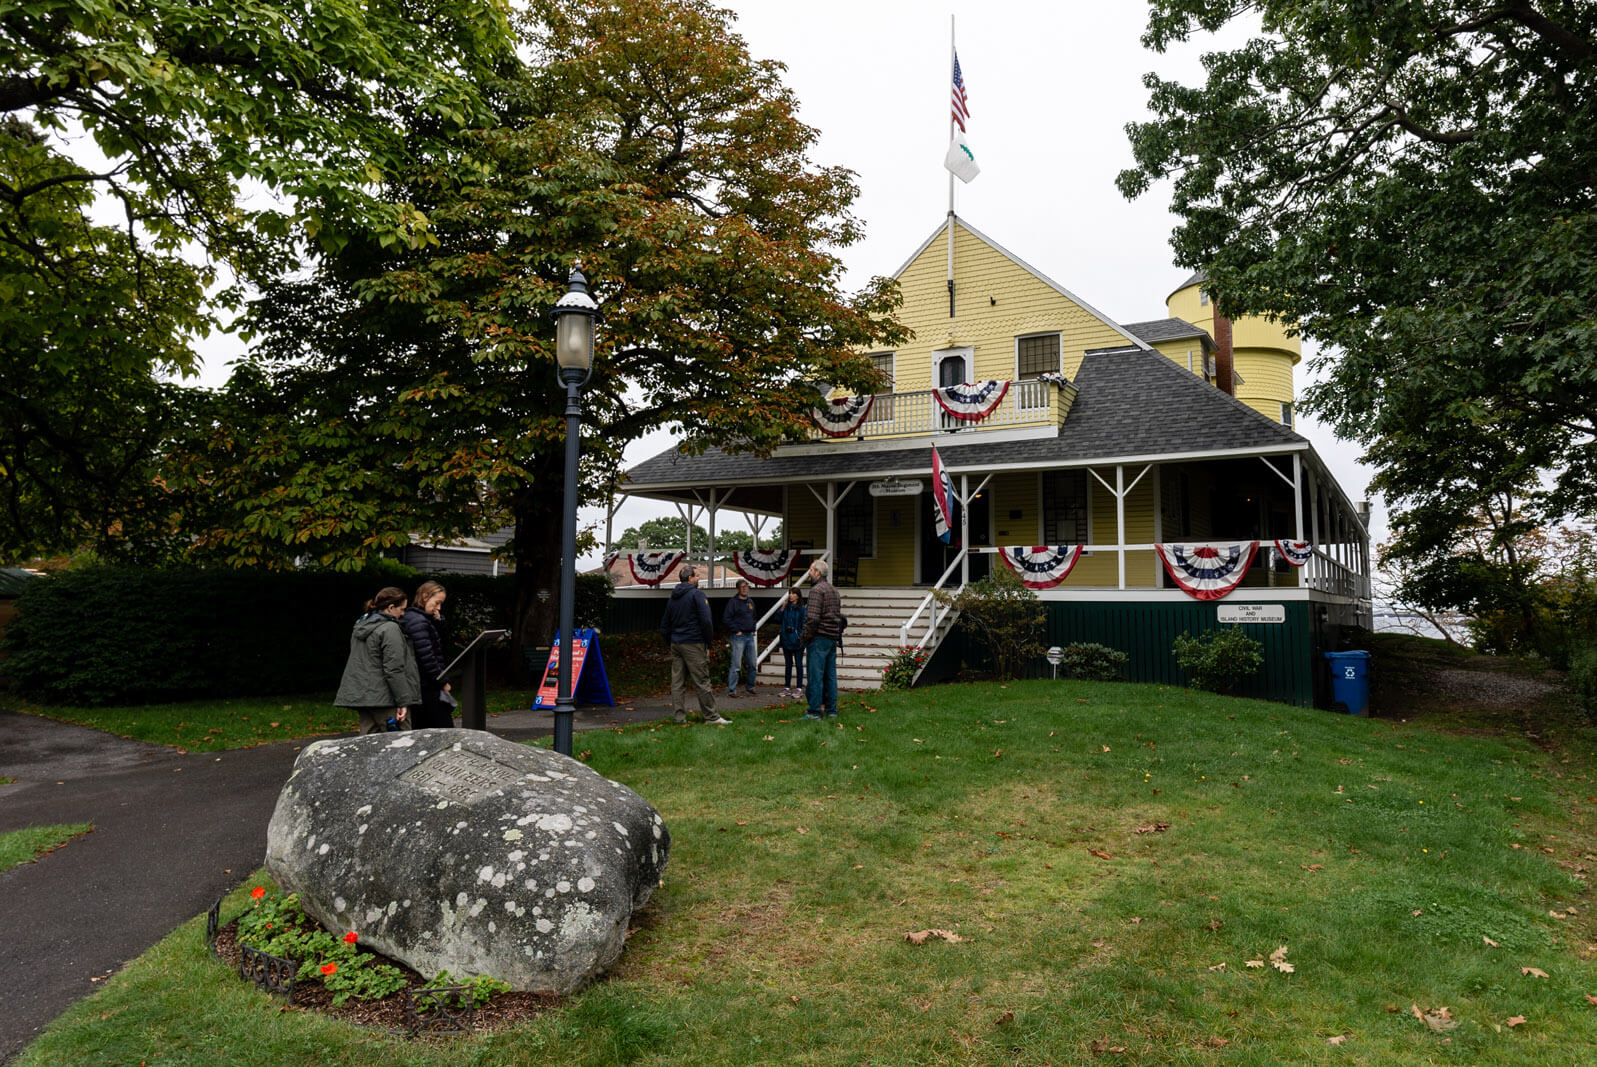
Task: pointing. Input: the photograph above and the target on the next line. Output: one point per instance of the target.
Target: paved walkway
(172, 833)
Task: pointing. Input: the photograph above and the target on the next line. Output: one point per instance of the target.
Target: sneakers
(680, 717)
(812, 715)
(730, 694)
(717, 719)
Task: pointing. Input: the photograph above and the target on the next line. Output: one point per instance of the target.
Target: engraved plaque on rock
(462, 776)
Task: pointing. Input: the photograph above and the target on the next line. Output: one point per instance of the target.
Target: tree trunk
(539, 518)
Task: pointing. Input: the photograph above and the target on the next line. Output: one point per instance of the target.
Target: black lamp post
(574, 317)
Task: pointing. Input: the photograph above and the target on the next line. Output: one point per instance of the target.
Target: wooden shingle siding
(997, 300)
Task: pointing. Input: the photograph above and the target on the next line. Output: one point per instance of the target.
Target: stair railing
(936, 611)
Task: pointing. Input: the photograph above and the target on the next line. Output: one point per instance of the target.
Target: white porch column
(964, 529)
(1120, 519)
(711, 549)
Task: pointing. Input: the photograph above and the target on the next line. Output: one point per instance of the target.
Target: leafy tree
(672, 533)
(136, 142)
(404, 389)
(1412, 184)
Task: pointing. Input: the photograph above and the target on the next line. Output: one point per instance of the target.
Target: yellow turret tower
(1262, 353)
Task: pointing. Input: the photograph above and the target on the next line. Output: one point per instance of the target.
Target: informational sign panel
(896, 487)
(1257, 613)
(589, 685)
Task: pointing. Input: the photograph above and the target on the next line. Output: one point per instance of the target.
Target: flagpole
(952, 59)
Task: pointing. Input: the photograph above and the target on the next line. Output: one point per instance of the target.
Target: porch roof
(1130, 403)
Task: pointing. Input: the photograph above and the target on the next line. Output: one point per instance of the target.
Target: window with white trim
(1037, 354)
(882, 406)
(1065, 508)
(1286, 414)
(856, 521)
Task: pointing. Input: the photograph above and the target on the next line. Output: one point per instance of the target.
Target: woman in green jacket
(380, 680)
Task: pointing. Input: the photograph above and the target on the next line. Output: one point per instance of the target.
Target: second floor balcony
(1033, 403)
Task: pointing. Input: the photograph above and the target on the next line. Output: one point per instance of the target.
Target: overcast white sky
(1051, 87)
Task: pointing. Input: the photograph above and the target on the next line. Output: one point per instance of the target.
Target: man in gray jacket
(687, 625)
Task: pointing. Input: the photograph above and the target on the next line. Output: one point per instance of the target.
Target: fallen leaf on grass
(1518, 1020)
(1253, 963)
(1153, 828)
(1006, 1017)
(802, 829)
(1278, 961)
(1136, 919)
(1336, 1040)
(1590, 999)
(768, 737)
(1534, 972)
(1489, 942)
(1417, 911)
(1558, 914)
(1216, 1041)
(1311, 866)
(1106, 748)
(1219, 966)
(1437, 1019)
(1102, 1045)
(919, 937)
(1100, 855)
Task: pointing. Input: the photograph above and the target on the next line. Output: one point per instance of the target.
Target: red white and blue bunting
(943, 501)
(843, 416)
(1208, 571)
(1296, 553)
(611, 557)
(972, 401)
(765, 568)
(650, 568)
(1040, 566)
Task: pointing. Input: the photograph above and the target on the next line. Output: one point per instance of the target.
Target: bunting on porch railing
(1040, 566)
(1208, 571)
(943, 501)
(843, 416)
(1296, 553)
(650, 568)
(765, 568)
(972, 401)
(610, 558)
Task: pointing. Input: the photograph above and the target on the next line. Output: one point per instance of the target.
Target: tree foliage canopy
(144, 147)
(1413, 184)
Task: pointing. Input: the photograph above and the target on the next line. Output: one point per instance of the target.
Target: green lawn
(24, 846)
(1119, 864)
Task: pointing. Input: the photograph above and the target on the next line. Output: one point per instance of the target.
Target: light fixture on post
(574, 319)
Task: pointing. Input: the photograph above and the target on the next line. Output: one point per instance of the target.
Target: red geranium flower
(257, 892)
(351, 937)
(329, 968)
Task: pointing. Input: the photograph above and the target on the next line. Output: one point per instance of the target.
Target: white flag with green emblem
(961, 161)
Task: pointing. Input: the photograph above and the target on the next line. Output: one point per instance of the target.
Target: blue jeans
(742, 651)
(822, 691)
(793, 667)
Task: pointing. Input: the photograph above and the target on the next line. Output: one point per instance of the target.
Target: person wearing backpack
(823, 631)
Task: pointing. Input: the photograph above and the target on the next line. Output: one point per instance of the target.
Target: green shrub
(900, 670)
(105, 635)
(1219, 659)
(1004, 618)
(1583, 676)
(1089, 662)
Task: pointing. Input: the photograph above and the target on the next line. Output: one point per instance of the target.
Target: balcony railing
(1026, 404)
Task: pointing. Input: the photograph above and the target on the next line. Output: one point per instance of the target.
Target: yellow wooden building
(1115, 437)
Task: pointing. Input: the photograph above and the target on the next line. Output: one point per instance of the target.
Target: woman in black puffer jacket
(421, 623)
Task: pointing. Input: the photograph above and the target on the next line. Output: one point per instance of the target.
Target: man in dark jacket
(823, 629)
(688, 626)
(741, 639)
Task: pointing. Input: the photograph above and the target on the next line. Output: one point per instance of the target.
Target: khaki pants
(691, 662)
(375, 720)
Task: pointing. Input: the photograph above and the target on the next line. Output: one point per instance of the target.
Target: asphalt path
(172, 833)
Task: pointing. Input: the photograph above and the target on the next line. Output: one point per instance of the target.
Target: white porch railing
(776, 642)
(1027, 403)
(934, 610)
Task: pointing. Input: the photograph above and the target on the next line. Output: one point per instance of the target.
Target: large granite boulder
(458, 850)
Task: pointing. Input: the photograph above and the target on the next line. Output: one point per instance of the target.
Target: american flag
(961, 110)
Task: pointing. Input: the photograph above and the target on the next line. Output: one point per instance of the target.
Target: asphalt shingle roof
(1129, 403)
(1164, 330)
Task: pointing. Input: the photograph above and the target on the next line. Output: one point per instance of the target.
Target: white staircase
(874, 617)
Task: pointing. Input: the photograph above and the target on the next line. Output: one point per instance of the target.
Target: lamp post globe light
(575, 313)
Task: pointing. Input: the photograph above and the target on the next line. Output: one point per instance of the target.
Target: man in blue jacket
(739, 619)
(688, 626)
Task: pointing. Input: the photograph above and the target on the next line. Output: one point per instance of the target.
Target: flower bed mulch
(503, 1010)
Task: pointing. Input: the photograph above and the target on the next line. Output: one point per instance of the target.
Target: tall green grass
(1110, 857)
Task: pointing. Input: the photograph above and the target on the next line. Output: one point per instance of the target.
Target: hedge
(123, 635)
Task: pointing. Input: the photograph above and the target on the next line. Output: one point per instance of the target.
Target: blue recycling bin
(1350, 681)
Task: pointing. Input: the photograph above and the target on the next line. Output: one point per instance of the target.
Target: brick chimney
(1223, 362)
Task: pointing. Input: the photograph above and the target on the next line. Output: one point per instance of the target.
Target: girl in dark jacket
(793, 645)
(422, 625)
(380, 680)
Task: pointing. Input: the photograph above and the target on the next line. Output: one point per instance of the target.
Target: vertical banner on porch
(943, 498)
(589, 683)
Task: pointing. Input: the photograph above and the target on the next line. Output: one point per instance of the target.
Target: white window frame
(882, 408)
(1288, 414)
